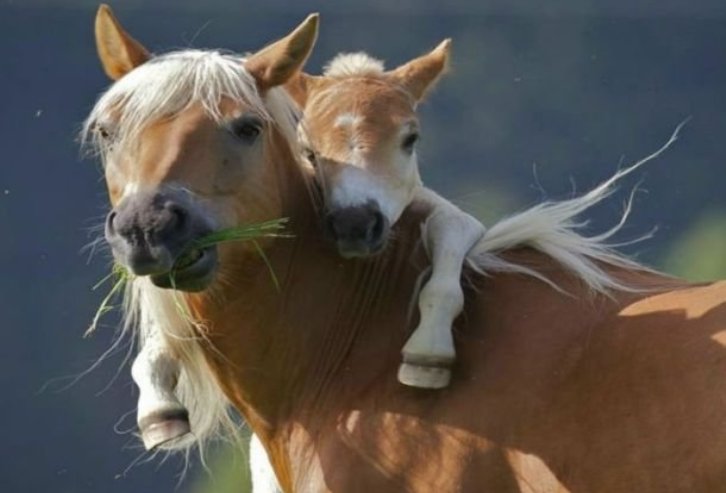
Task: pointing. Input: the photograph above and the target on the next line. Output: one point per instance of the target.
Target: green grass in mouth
(119, 276)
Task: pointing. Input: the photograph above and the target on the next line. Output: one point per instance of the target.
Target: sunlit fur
(170, 83)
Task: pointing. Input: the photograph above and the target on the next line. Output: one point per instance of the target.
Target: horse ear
(301, 85)
(119, 52)
(419, 75)
(278, 62)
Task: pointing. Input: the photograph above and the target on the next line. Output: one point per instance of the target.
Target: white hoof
(424, 377)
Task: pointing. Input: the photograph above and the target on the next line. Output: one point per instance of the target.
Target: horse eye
(409, 142)
(247, 129)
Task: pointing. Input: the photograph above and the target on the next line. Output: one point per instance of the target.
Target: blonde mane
(168, 84)
(353, 64)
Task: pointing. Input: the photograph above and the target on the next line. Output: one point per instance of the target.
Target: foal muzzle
(358, 231)
(152, 234)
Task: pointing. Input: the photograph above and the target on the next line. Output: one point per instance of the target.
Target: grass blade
(274, 228)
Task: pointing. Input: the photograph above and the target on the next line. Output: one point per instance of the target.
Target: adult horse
(580, 388)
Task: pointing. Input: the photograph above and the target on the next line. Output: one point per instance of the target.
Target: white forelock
(353, 64)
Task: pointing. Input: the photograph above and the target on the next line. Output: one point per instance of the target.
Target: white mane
(353, 64)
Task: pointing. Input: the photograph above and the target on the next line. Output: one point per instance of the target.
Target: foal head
(190, 142)
(360, 129)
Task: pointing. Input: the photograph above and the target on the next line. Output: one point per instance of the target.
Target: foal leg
(429, 352)
(160, 415)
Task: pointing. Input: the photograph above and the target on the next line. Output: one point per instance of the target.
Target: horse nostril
(179, 216)
(174, 221)
(110, 219)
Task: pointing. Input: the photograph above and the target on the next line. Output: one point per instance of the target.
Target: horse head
(188, 141)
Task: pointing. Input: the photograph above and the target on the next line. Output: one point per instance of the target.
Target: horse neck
(279, 353)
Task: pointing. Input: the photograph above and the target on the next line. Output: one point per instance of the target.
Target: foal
(359, 130)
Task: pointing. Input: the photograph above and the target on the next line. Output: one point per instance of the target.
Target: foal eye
(246, 128)
(409, 142)
(103, 132)
(310, 156)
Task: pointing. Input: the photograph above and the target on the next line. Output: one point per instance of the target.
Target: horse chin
(193, 277)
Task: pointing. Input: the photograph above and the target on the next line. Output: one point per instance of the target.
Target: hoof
(424, 377)
(161, 428)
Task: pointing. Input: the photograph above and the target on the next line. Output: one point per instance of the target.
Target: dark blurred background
(544, 98)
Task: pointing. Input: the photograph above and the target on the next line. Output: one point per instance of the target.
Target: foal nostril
(358, 231)
(376, 227)
(361, 224)
(331, 225)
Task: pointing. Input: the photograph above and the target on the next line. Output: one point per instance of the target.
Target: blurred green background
(544, 99)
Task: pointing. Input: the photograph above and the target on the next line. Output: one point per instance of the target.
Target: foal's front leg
(429, 352)
(160, 415)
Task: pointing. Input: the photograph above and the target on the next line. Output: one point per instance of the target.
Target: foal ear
(119, 52)
(278, 62)
(420, 74)
(301, 85)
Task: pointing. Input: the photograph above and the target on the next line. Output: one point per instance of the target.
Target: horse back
(552, 392)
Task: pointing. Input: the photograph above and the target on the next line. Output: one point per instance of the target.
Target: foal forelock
(168, 84)
(353, 64)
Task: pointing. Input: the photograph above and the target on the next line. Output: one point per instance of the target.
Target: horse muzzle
(358, 231)
(153, 234)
